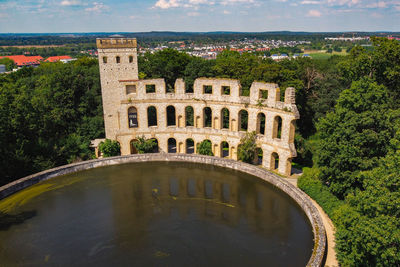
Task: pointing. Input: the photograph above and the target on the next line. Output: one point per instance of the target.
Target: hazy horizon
(74, 16)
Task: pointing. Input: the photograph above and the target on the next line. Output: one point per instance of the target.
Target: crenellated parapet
(215, 109)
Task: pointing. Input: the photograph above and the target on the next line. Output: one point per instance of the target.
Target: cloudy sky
(198, 15)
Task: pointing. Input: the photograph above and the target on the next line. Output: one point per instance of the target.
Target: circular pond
(154, 214)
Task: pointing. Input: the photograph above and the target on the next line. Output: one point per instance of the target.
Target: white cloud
(314, 13)
(343, 2)
(310, 2)
(198, 2)
(70, 3)
(229, 2)
(165, 4)
(226, 12)
(97, 7)
(380, 4)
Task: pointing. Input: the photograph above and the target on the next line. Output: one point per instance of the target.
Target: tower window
(104, 59)
(118, 59)
(130, 89)
(207, 89)
(130, 59)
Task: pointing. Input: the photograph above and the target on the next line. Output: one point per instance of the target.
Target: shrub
(144, 145)
(205, 148)
(110, 148)
(247, 148)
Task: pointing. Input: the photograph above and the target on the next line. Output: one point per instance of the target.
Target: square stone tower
(117, 63)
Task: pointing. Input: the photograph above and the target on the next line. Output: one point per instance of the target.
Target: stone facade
(126, 103)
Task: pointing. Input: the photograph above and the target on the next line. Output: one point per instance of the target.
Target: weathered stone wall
(295, 193)
(116, 78)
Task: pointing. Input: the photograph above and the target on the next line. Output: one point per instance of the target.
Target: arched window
(133, 148)
(274, 161)
(104, 59)
(130, 59)
(171, 145)
(155, 150)
(258, 159)
(277, 129)
(225, 118)
(207, 117)
(224, 149)
(132, 117)
(243, 120)
(261, 123)
(189, 116)
(171, 119)
(151, 116)
(189, 146)
(117, 59)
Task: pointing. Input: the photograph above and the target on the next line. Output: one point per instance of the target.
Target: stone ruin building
(134, 108)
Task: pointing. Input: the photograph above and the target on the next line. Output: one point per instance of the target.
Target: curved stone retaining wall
(295, 193)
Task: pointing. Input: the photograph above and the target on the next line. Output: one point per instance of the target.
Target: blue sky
(198, 15)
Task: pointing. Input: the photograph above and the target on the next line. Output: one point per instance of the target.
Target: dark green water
(153, 214)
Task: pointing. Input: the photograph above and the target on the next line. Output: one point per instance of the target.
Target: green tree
(49, 115)
(354, 136)
(197, 67)
(8, 63)
(144, 145)
(110, 148)
(247, 147)
(382, 64)
(168, 64)
(205, 148)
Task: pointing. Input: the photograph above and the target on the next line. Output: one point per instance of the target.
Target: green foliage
(354, 137)
(382, 64)
(197, 67)
(8, 62)
(168, 64)
(205, 148)
(367, 223)
(144, 145)
(110, 148)
(247, 147)
(358, 156)
(309, 182)
(48, 116)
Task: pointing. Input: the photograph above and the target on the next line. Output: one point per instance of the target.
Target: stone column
(285, 166)
(234, 152)
(125, 146)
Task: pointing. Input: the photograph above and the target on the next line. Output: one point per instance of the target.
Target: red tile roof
(57, 58)
(22, 60)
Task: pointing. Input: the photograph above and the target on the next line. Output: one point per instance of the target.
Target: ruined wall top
(116, 43)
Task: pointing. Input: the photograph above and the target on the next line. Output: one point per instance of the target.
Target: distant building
(277, 57)
(22, 60)
(63, 59)
(2, 68)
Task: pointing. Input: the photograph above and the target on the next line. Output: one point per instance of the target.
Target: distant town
(207, 48)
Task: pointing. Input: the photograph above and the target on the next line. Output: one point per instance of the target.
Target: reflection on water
(157, 214)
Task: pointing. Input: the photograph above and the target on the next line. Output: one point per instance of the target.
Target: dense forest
(348, 136)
